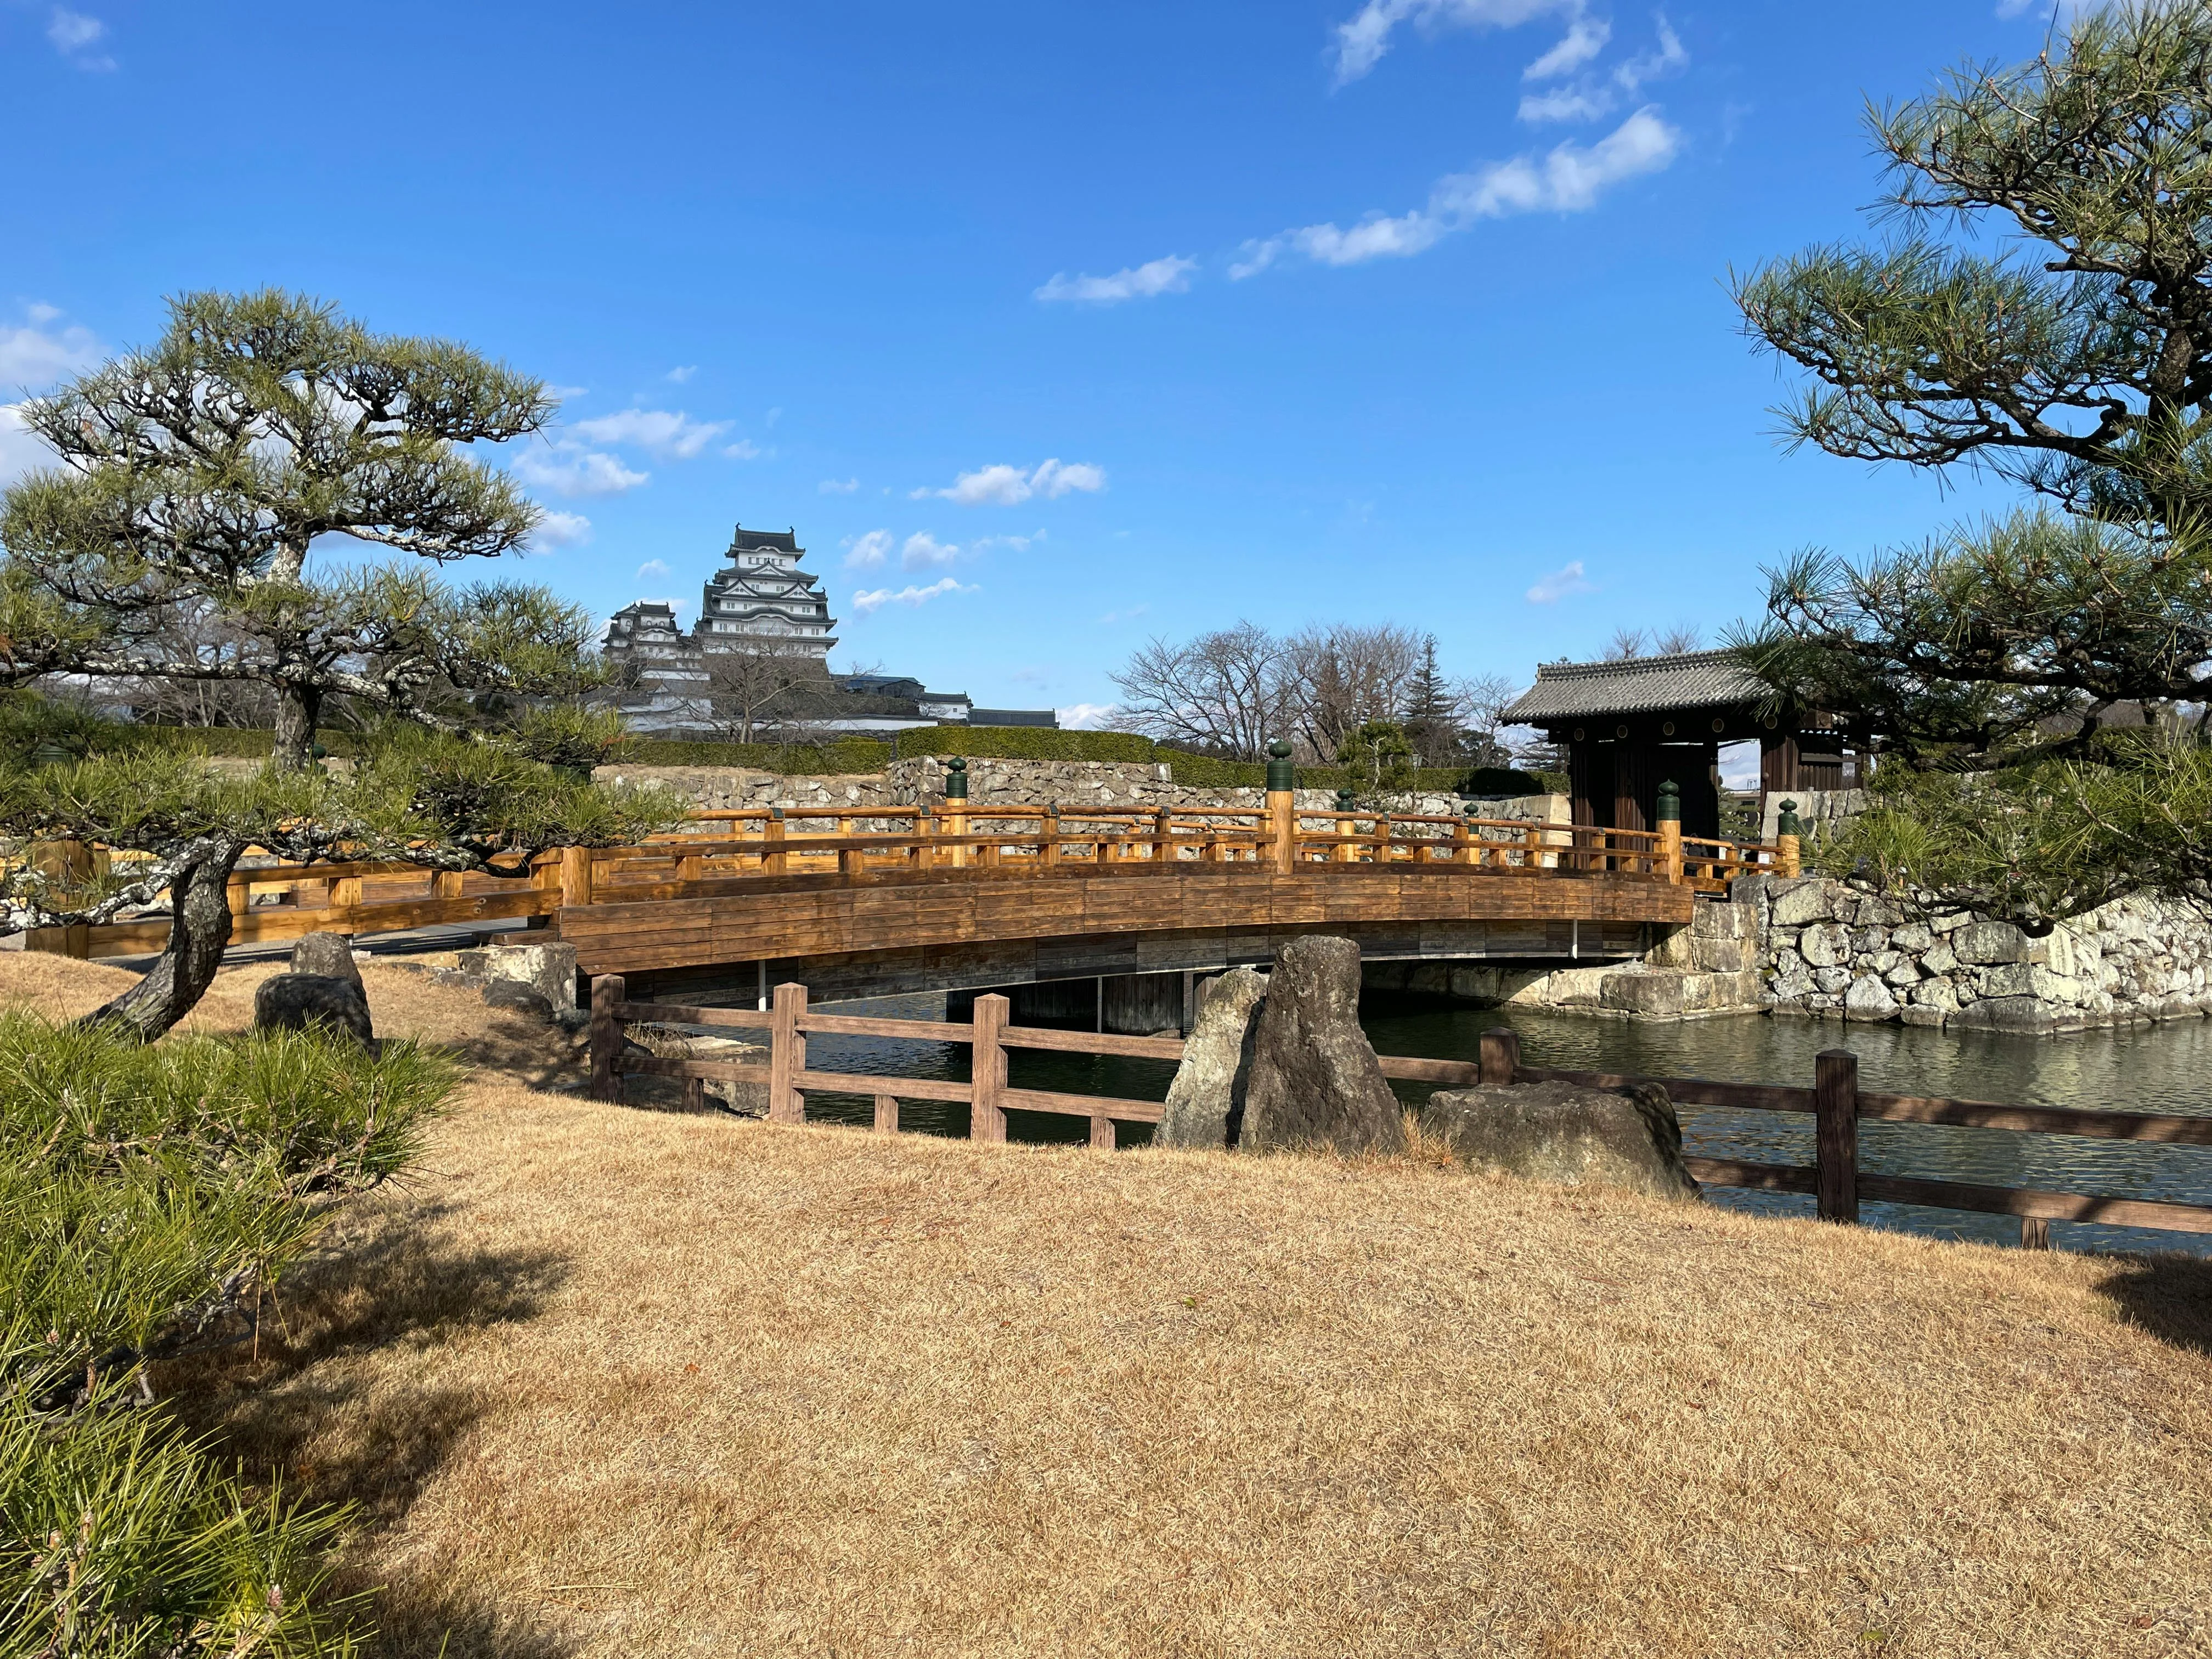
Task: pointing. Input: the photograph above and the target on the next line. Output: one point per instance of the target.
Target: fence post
(608, 991)
(1162, 830)
(956, 805)
(1836, 1134)
(575, 876)
(1500, 1056)
(1786, 832)
(772, 843)
(1048, 839)
(988, 1119)
(886, 1115)
(786, 1056)
(1671, 831)
(1283, 805)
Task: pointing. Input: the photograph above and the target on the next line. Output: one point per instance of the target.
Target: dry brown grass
(616, 1383)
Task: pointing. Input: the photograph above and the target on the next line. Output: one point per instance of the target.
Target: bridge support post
(987, 1120)
(1498, 1057)
(1282, 807)
(608, 991)
(786, 1056)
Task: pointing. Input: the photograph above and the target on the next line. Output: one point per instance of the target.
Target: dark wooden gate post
(1836, 1134)
(1500, 1056)
(608, 993)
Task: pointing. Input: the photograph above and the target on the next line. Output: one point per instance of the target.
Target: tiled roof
(1636, 685)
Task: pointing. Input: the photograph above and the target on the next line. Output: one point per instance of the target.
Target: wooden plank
(866, 1083)
(1092, 1106)
(1092, 1043)
(917, 1030)
(676, 1014)
(2029, 1202)
(1683, 1090)
(2165, 1128)
(1759, 1177)
(1452, 1074)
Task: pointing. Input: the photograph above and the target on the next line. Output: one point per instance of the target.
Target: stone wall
(1834, 953)
(1065, 784)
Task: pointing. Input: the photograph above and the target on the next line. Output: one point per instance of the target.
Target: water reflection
(2145, 1068)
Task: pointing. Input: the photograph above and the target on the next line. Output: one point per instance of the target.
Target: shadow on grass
(2170, 1296)
(318, 1405)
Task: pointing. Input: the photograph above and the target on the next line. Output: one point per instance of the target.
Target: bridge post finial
(1281, 774)
(1788, 860)
(956, 778)
(1670, 825)
(1282, 806)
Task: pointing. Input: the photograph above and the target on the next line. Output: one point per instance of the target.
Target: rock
(1314, 1080)
(1913, 938)
(1828, 946)
(1989, 942)
(294, 1002)
(549, 969)
(1792, 987)
(1870, 940)
(514, 993)
(1904, 974)
(1831, 980)
(1798, 902)
(744, 1099)
(329, 955)
(1950, 922)
(1205, 1102)
(1939, 958)
(1556, 1132)
(1868, 999)
(2005, 1014)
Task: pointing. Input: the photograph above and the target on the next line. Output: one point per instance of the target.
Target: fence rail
(1835, 1102)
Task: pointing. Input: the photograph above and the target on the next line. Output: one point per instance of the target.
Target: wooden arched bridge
(880, 899)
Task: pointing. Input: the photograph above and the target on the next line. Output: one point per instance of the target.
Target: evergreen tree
(1432, 722)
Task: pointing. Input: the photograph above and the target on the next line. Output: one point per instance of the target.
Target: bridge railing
(1835, 1101)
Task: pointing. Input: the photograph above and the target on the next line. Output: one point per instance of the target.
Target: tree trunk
(299, 711)
(199, 928)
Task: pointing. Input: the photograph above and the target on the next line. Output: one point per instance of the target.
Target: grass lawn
(623, 1382)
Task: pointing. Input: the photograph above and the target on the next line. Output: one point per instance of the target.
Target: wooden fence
(271, 901)
(1836, 1103)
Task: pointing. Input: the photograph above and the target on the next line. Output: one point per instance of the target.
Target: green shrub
(149, 1195)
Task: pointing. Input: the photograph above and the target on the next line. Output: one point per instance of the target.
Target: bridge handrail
(1835, 1101)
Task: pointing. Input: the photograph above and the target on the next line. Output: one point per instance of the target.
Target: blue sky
(1048, 327)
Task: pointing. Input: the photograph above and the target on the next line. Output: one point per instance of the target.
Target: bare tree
(1480, 700)
(1626, 643)
(759, 686)
(1221, 694)
(1346, 675)
(1682, 636)
(196, 631)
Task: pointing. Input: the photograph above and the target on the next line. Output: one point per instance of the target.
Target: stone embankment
(1066, 784)
(1833, 951)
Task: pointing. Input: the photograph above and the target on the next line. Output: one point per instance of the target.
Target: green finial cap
(956, 778)
(1345, 798)
(1787, 824)
(1280, 775)
(1670, 802)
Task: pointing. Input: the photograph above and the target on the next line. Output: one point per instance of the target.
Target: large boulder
(1567, 1136)
(1205, 1102)
(328, 954)
(549, 969)
(1316, 1082)
(296, 1002)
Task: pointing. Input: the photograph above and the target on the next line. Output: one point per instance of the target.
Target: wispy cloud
(923, 551)
(1009, 486)
(867, 601)
(567, 468)
(684, 373)
(1154, 278)
(35, 356)
(564, 530)
(1562, 584)
(1589, 96)
(1568, 179)
(653, 567)
(21, 450)
(838, 486)
(1585, 38)
(868, 551)
(1129, 615)
(664, 435)
(743, 450)
(1362, 41)
(75, 35)
(1019, 544)
(1087, 716)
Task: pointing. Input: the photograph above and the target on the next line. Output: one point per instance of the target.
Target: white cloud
(866, 552)
(838, 486)
(680, 376)
(1019, 544)
(1568, 179)
(1009, 486)
(72, 34)
(1562, 584)
(1585, 38)
(20, 450)
(563, 530)
(569, 469)
(1591, 96)
(1132, 613)
(1666, 59)
(864, 601)
(664, 435)
(562, 393)
(1582, 103)
(653, 568)
(923, 551)
(743, 450)
(1154, 278)
(34, 356)
(1087, 716)
(1361, 42)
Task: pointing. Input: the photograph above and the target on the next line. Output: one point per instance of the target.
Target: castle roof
(1637, 685)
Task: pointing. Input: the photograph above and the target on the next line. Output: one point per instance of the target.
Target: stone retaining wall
(1834, 953)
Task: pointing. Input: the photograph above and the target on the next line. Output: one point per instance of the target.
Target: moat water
(2158, 1068)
